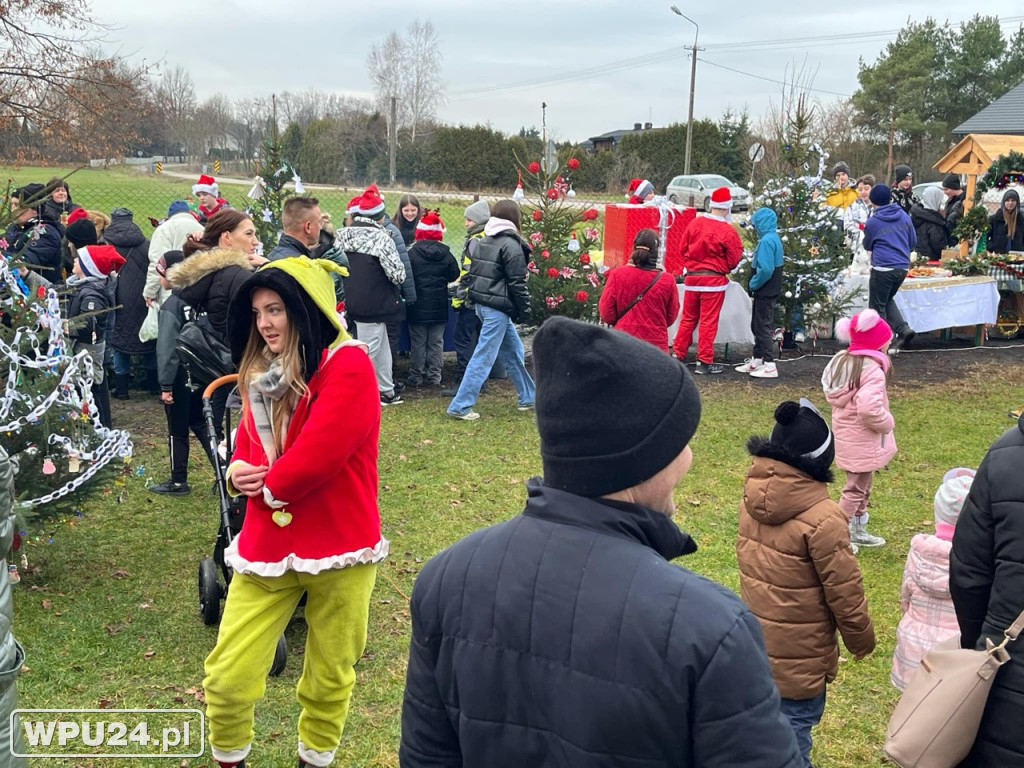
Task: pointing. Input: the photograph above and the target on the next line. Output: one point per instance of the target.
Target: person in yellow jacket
(843, 193)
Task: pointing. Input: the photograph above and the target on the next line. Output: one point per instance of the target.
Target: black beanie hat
(801, 430)
(952, 181)
(900, 172)
(840, 167)
(315, 330)
(612, 411)
(30, 195)
(880, 195)
(81, 232)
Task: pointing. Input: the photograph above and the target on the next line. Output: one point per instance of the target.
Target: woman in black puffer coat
(124, 234)
(1006, 226)
(986, 580)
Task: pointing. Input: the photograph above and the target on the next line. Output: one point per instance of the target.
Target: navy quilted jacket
(565, 637)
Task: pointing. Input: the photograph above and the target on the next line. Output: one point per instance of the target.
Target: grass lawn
(109, 613)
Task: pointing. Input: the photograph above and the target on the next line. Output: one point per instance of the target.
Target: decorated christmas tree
(49, 422)
(563, 279)
(816, 253)
(268, 193)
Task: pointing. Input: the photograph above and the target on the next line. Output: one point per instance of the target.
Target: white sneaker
(853, 548)
(859, 535)
(748, 365)
(765, 371)
(799, 338)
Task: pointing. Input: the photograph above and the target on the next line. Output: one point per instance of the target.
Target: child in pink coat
(925, 602)
(855, 382)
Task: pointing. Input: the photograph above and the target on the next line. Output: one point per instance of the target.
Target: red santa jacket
(326, 477)
(648, 319)
(711, 249)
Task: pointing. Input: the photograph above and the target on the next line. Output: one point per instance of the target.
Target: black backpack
(202, 352)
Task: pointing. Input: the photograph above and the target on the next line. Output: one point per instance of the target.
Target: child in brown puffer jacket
(798, 574)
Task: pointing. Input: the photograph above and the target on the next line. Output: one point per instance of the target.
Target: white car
(695, 191)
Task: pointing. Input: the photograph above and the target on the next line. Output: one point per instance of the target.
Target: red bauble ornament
(552, 194)
(590, 214)
(545, 254)
(584, 258)
(533, 167)
(537, 215)
(559, 180)
(574, 164)
(582, 296)
(552, 272)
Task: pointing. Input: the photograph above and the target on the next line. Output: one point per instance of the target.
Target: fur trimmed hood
(199, 265)
(763, 447)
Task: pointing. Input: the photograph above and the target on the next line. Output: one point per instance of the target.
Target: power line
(770, 80)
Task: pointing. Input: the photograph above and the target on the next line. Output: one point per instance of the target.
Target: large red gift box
(622, 222)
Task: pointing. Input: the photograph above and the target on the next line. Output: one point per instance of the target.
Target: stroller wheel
(280, 657)
(209, 592)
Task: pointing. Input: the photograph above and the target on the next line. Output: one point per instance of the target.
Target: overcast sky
(579, 56)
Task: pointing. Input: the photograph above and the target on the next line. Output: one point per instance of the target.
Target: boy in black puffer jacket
(433, 267)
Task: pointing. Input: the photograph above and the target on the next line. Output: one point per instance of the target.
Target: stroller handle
(217, 383)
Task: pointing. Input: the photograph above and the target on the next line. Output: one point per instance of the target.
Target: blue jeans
(498, 341)
(123, 362)
(804, 714)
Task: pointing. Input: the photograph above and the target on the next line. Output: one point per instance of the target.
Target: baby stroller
(232, 513)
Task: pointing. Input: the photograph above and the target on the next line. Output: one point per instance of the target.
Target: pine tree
(269, 194)
(563, 279)
(49, 422)
(812, 234)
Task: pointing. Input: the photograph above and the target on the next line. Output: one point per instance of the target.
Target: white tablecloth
(933, 304)
(733, 323)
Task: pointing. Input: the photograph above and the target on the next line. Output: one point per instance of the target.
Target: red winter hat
(865, 331)
(78, 213)
(721, 198)
(353, 205)
(99, 260)
(205, 184)
(430, 227)
(640, 188)
(370, 204)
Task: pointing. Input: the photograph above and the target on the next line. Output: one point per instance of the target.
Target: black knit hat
(952, 181)
(612, 411)
(840, 167)
(81, 232)
(900, 172)
(803, 432)
(315, 331)
(30, 195)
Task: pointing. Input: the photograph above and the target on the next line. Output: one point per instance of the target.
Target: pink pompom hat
(864, 331)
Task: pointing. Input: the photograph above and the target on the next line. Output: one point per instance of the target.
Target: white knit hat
(950, 497)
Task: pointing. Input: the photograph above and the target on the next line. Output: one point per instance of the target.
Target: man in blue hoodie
(890, 237)
(765, 284)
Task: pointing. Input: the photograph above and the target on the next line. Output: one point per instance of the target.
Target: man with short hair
(952, 189)
(566, 636)
(32, 239)
(300, 220)
(903, 188)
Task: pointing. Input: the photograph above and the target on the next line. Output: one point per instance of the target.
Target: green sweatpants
(256, 612)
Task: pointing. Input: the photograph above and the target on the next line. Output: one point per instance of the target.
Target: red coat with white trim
(710, 244)
(326, 476)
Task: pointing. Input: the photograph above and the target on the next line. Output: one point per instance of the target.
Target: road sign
(159, 167)
(756, 152)
(216, 166)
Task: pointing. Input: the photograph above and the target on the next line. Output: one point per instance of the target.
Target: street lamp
(693, 82)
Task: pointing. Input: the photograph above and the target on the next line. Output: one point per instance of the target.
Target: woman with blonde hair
(308, 391)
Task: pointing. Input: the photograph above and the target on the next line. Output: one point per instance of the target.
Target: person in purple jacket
(890, 237)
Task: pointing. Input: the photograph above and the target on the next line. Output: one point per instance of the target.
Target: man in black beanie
(952, 189)
(903, 188)
(565, 635)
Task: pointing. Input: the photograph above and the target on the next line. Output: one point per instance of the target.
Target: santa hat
(78, 213)
(864, 331)
(640, 188)
(370, 204)
(205, 184)
(721, 198)
(353, 206)
(99, 260)
(430, 227)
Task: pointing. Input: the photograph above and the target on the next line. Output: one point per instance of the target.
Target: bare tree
(176, 93)
(248, 126)
(216, 113)
(387, 65)
(409, 69)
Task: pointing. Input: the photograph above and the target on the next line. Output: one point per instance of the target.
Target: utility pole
(394, 139)
(273, 126)
(544, 134)
(693, 84)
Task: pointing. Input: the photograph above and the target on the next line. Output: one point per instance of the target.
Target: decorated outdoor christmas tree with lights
(815, 250)
(49, 422)
(268, 193)
(563, 279)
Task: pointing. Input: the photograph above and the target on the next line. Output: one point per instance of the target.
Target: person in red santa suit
(640, 190)
(711, 249)
(209, 197)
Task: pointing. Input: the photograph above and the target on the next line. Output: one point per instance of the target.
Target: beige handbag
(936, 719)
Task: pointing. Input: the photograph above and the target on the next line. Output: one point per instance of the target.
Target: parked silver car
(695, 191)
